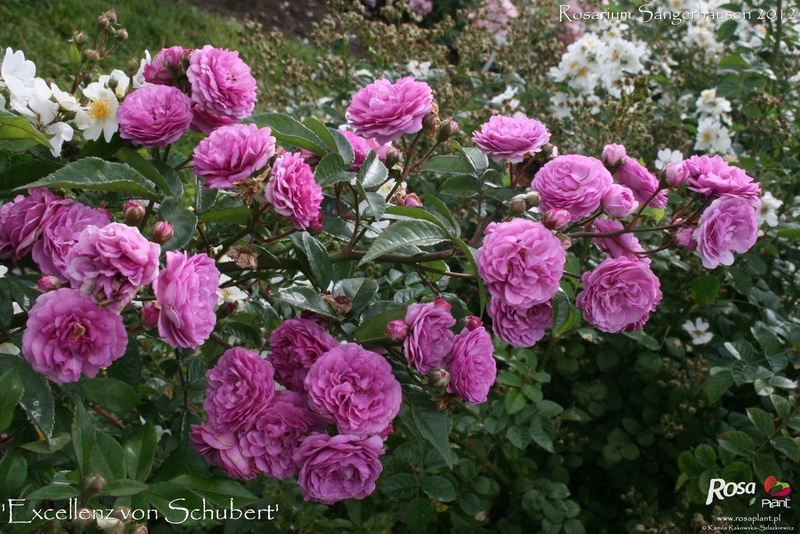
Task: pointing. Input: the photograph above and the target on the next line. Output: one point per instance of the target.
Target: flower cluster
(495, 16)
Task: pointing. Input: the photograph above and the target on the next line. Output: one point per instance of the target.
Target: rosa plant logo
(719, 489)
(777, 493)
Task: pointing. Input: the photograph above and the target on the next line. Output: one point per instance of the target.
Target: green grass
(43, 29)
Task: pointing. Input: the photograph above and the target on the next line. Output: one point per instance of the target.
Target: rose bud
(472, 322)
(150, 313)
(95, 482)
(162, 232)
(397, 330)
(439, 377)
(133, 212)
(48, 283)
(440, 303)
(412, 200)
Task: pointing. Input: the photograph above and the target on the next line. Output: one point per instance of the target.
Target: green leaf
(55, 492)
(219, 490)
(508, 378)
(146, 169)
(726, 30)
(782, 406)
(244, 332)
(95, 174)
(238, 216)
(565, 316)
(741, 350)
(139, 451)
(332, 169)
(418, 513)
(411, 212)
(13, 472)
(706, 456)
(448, 165)
(11, 391)
(791, 233)
(288, 130)
(18, 175)
(469, 253)
(762, 421)
(705, 289)
(443, 213)
(375, 327)
(399, 486)
(718, 384)
(313, 257)
(541, 437)
(108, 459)
(461, 186)
(733, 61)
(376, 203)
(122, 488)
(402, 234)
(787, 446)
(737, 442)
(342, 146)
(689, 465)
(373, 173)
(17, 135)
(305, 298)
(204, 199)
(439, 488)
(83, 438)
(113, 394)
(431, 423)
(737, 472)
(514, 401)
(476, 158)
(48, 446)
(183, 222)
(573, 526)
(519, 436)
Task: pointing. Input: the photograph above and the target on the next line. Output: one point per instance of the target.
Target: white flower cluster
(597, 62)
(49, 109)
(712, 116)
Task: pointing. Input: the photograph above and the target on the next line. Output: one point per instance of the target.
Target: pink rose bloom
(511, 138)
(728, 225)
(361, 148)
(521, 262)
(614, 155)
(472, 367)
(232, 153)
(154, 116)
(240, 388)
(675, 174)
(296, 344)
(624, 245)
(205, 122)
(68, 335)
(686, 239)
(336, 468)
(420, 7)
(386, 111)
(713, 176)
(221, 84)
(633, 175)
(619, 201)
(168, 66)
(520, 327)
(60, 230)
(573, 183)
(354, 388)
(273, 439)
(292, 190)
(618, 295)
(429, 338)
(186, 290)
(110, 264)
(20, 222)
(222, 449)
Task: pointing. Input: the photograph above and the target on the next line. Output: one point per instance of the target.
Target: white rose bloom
(100, 116)
(699, 331)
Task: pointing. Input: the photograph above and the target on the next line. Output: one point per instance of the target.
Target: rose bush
(412, 330)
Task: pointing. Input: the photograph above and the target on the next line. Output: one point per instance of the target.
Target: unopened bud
(103, 21)
(440, 304)
(439, 377)
(122, 34)
(397, 330)
(112, 17)
(95, 482)
(412, 200)
(48, 283)
(431, 121)
(162, 232)
(686, 238)
(138, 529)
(613, 156)
(111, 525)
(79, 37)
(518, 204)
(533, 199)
(472, 322)
(150, 314)
(386, 432)
(132, 67)
(316, 226)
(392, 157)
(91, 54)
(675, 174)
(133, 211)
(448, 128)
(112, 83)
(556, 218)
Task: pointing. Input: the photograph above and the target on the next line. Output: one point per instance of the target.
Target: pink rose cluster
(511, 138)
(198, 89)
(106, 264)
(253, 429)
(231, 153)
(465, 360)
(522, 263)
(574, 183)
